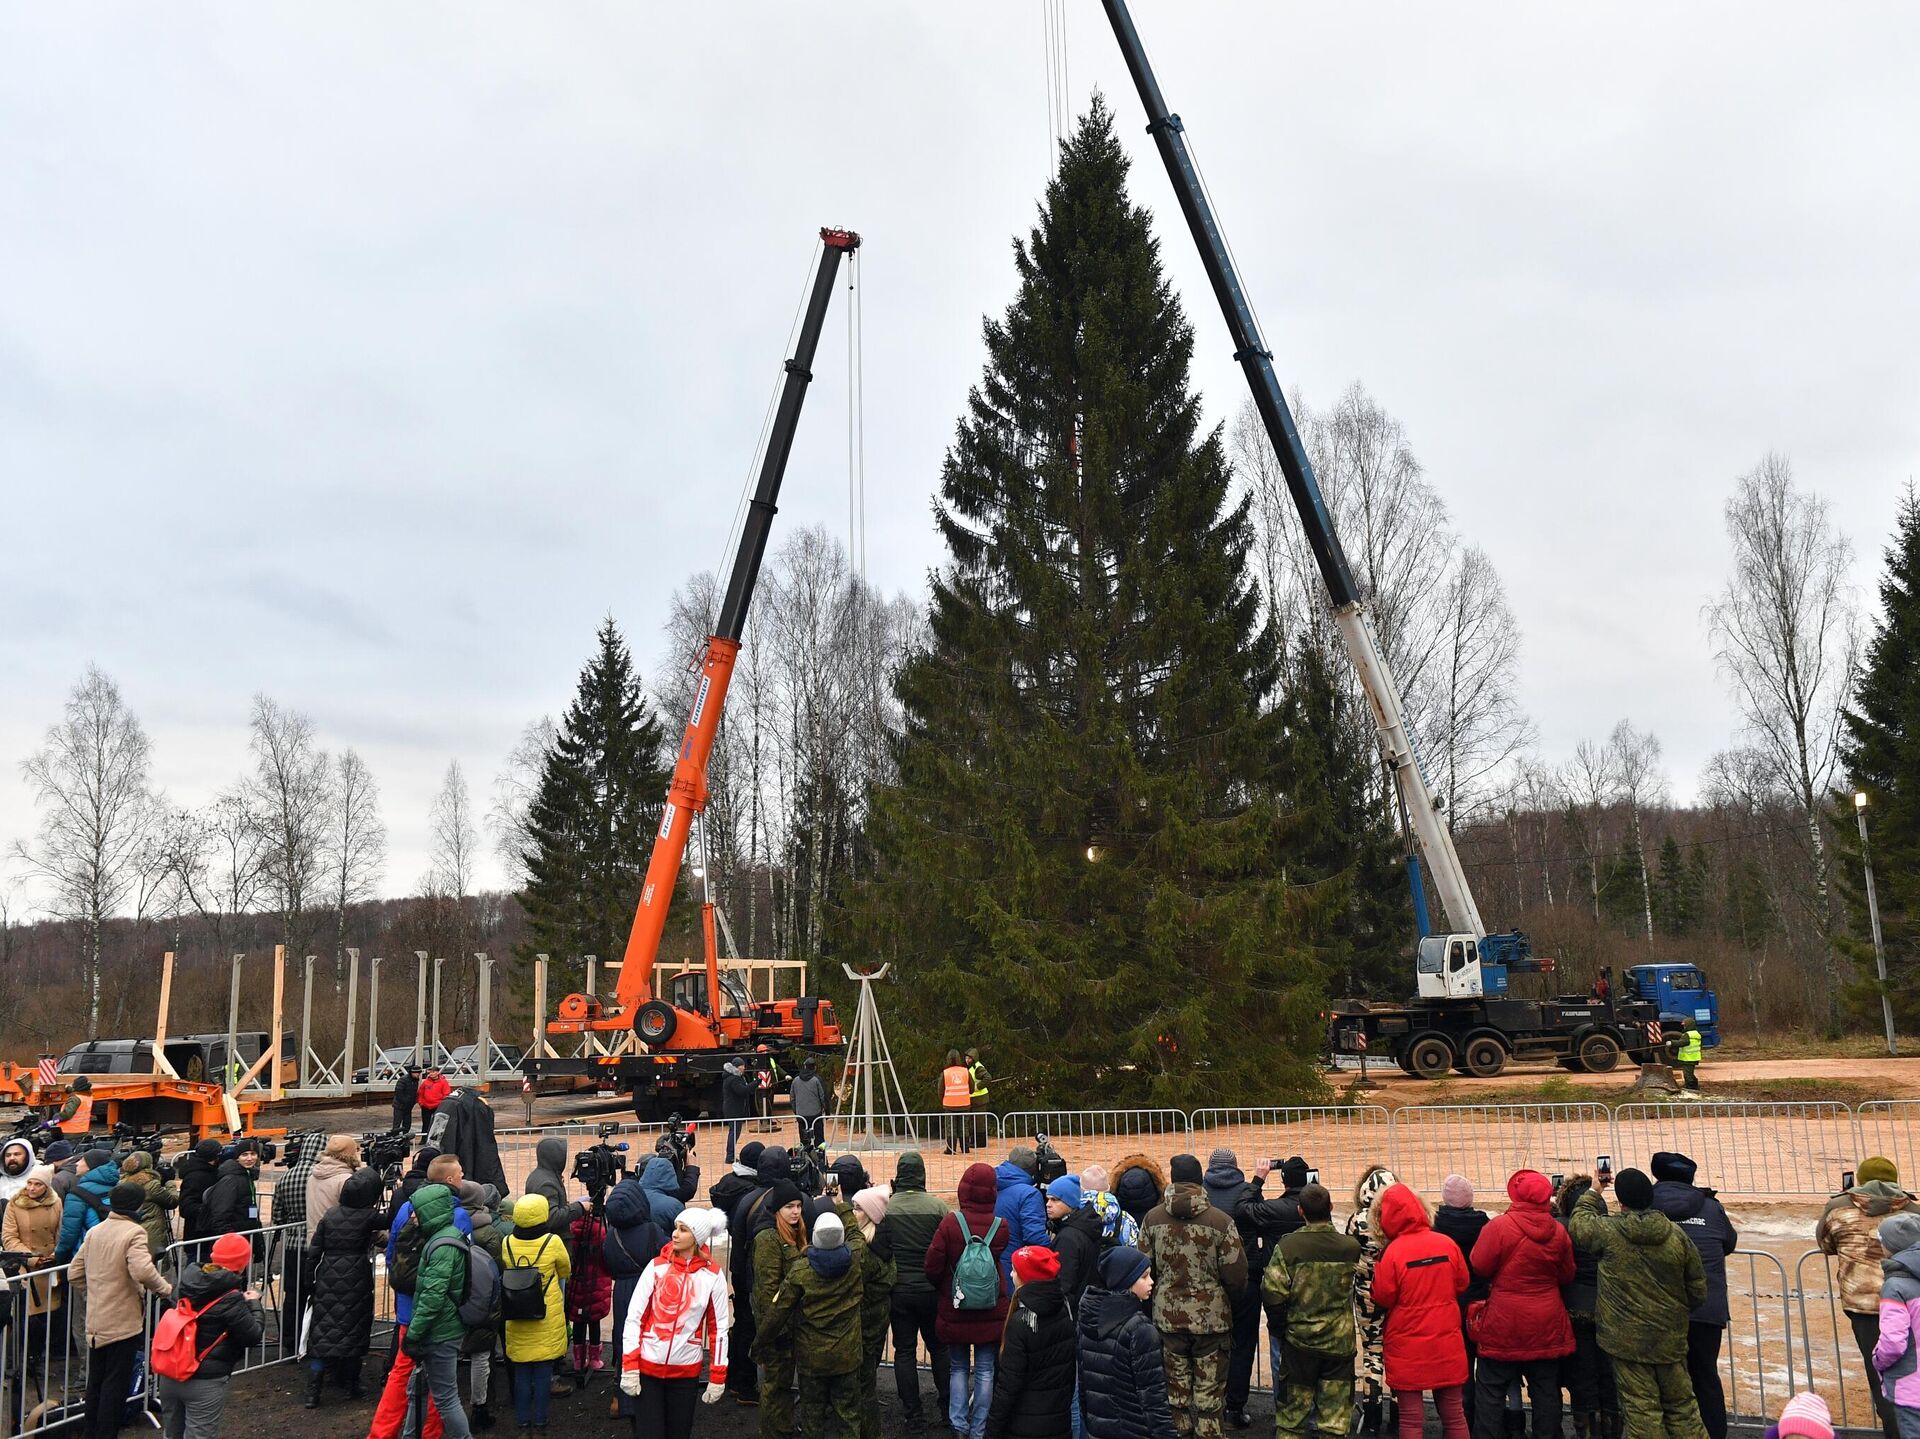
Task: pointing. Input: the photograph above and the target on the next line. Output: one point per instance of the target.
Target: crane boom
(1349, 611)
(687, 793)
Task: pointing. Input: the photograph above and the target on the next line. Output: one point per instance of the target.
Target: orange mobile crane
(677, 1049)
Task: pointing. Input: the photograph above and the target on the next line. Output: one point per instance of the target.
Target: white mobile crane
(1461, 1017)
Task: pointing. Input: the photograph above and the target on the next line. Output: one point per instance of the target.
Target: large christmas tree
(1882, 756)
(1082, 864)
(593, 817)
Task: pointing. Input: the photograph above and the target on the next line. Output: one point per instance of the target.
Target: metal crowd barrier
(1890, 1127)
(1487, 1143)
(1340, 1141)
(1778, 1150)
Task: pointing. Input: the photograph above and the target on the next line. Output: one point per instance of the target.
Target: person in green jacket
(912, 1217)
(1651, 1279)
(819, 1304)
(137, 1168)
(1308, 1292)
(776, 1249)
(435, 1333)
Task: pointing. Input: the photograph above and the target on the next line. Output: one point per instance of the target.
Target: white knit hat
(828, 1231)
(705, 1225)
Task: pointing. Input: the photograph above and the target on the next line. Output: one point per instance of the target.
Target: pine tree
(1677, 890)
(1881, 752)
(1622, 901)
(593, 816)
(1083, 860)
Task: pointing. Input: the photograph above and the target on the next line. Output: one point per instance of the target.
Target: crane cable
(1053, 15)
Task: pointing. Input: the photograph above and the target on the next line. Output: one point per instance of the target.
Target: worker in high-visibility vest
(76, 1115)
(1689, 1056)
(956, 1098)
(976, 1095)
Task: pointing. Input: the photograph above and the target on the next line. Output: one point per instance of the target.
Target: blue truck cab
(1677, 989)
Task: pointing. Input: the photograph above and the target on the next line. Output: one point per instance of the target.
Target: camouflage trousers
(1196, 1380)
(1371, 1330)
(830, 1405)
(1657, 1400)
(776, 1396)
(1317, 1387)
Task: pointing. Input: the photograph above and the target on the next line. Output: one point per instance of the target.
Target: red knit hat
(1034, 1262)
(233, 1251)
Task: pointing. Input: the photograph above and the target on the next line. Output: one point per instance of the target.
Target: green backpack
(976, 1276)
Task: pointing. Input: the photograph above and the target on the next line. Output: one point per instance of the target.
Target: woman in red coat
(972, 1336)
(1525, 1257)
(1418, 1282)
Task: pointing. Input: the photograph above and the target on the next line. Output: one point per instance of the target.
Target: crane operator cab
(1460, 966)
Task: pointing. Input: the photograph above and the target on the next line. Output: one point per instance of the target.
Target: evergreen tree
(1881, 752)
(593, 817)
(1622, 901)
(1677, 889)
(1082, 863)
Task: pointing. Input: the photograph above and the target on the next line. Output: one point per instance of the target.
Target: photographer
(465, 1128)
(548, 1180)
(661, 1185)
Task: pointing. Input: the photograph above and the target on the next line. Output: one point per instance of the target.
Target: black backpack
(523, 1287)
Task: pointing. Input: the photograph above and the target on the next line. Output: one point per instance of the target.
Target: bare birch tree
(1787, 638)
(217, 855)
(290, 798)
(456, 843)
(356, 848)
(1478, 724)
(1635, 756)
(514, 788)
(1590, 784)
(91, 780)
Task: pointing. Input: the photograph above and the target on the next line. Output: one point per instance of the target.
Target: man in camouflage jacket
(1651, 1279)
(820, 1300)
(1198, 1266)
(1308, 1291)
(1849, 1230)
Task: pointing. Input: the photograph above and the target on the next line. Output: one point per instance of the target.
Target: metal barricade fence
(1756, 1355)
(1828, 1359)
(1889, 1127)
(1340, 1141)
(946, 1143)
(1488, 1142)
(1777, 1150)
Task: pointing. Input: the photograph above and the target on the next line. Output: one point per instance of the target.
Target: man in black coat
(406, 1090)
(1077, 1237)
(740, 1180)
(465, 1123)
(197, 1171)
(737, 1095)
(1699, 1216)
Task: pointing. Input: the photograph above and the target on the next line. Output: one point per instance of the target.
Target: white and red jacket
(679, 1314)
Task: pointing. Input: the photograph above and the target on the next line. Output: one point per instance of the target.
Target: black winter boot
(1370, 1416)
(314, 1378)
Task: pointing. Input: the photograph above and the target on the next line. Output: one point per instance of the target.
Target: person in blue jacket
(1020, 1205)
(662, 1187)
(86, 1202)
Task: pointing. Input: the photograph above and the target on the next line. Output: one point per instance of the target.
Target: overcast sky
(367, 355)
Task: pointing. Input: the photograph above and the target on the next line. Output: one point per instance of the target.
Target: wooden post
(420, 1013)
(353, 999)
(306, 1029)
(540, 1046)
(373, 1021)
(229, 1081)
(483, 1020)
(161, 1064)
(274, 1091)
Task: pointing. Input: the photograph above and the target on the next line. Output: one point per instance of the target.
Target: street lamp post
(1873, 915)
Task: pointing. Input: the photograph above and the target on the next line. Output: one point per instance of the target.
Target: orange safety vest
(956, 1087)
(82, 1119)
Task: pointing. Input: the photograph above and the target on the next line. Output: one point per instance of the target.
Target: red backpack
(173, 1355)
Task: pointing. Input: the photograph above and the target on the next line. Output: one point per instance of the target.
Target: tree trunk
(1646, 882)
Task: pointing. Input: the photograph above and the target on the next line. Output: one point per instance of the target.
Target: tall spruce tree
(1082, 862)
(593, 816)
(1881, 752)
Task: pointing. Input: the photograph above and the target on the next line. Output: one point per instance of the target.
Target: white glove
(630, 1382)
(712, 1396)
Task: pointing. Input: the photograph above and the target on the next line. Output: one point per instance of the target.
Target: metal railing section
(1779, 1150)
(1756, 1352)
(1889, 1127)
(1828, 1360)
(1340, 1141)
(1488, 1142)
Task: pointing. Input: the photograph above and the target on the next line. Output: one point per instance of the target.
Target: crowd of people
(1121, 1303)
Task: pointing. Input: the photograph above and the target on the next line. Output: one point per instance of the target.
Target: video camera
(807, 1168)
(12, 1261)
(677, 1142)
(127, 1139)
(386, 1153)
(1048, 1163)
(601, 1166)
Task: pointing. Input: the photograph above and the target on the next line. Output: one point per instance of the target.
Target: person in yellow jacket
(534, 1344)
(1690, 1056)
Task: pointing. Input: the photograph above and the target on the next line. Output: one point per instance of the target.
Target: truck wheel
(1400, 1060)
(1569, 1063)
(1486, 1057)
(1430, 1056)
(655, 1021)
(1599, 1053)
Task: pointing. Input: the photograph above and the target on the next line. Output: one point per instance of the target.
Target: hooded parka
(1418, 1282)
(1525, 1257)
